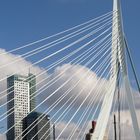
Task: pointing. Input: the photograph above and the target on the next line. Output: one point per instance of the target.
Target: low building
(38, 125)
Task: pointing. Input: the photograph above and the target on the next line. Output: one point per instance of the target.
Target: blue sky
(25, 21)
(22, 22)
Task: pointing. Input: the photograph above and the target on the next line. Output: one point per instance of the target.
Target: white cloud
(88, 82)
(127, 131)
(123, 98)
(69, 130)
(12, 66)
(76, 73)
(9, 66)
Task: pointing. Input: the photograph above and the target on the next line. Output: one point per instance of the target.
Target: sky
(26, 21)
(22, 22)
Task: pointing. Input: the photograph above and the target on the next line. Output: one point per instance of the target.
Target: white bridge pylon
(118, 54)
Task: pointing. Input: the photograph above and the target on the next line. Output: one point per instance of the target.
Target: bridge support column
(118, 53)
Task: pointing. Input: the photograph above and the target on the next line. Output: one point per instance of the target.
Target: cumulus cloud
(126, 123)
(11, 63)
(76, 73)
(15, 64)
(123, 98)
(87, 80)
(78, 134)
(61, 126)
(127, 131)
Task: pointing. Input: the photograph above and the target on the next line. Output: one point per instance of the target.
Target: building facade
(20, 90)
(18, 104)
(37, 127)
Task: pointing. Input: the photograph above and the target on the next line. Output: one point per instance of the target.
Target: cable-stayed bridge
(85, 68)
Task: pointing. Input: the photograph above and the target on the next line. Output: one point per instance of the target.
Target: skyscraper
(20, 90)
(18, 104)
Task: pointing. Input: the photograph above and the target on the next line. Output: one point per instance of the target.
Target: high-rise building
(18, 104)
(36, 126)
(20, 90)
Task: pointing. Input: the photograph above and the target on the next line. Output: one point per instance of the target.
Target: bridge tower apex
(118, 54)
(116, 5)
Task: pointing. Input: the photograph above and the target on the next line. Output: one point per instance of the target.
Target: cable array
(86, 47)
(90, 54)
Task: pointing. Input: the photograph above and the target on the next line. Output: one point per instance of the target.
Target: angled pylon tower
(118, 54)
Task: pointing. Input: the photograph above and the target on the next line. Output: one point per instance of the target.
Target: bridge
(85, 80)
